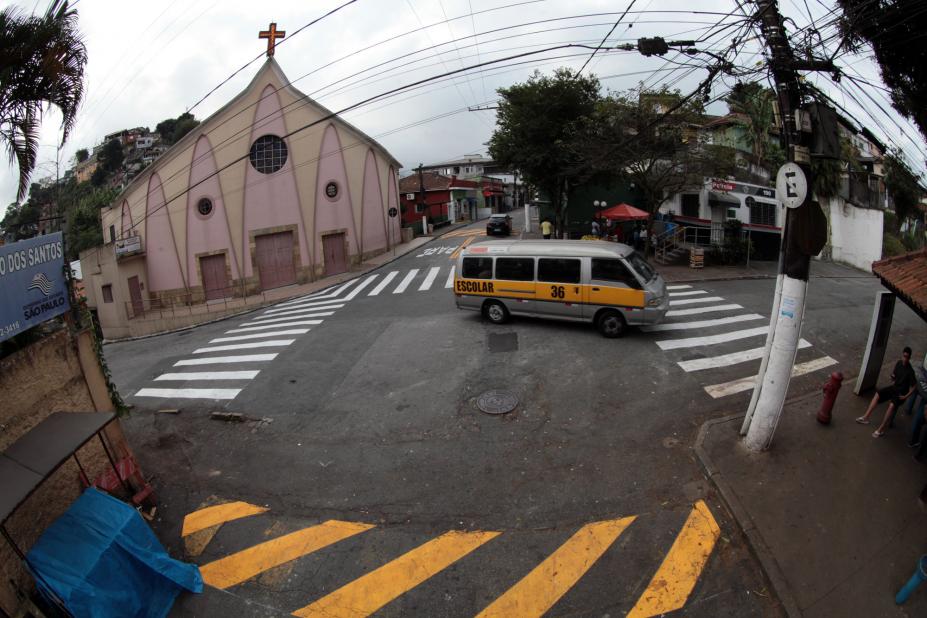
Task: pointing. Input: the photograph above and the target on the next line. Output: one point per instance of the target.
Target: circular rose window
(268, 154)
(204, 207)
(331, 190)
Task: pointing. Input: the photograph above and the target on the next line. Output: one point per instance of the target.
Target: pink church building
(271, 190)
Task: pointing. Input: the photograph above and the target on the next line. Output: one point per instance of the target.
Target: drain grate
(496, 402)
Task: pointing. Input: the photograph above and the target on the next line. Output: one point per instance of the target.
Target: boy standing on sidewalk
(903, 385)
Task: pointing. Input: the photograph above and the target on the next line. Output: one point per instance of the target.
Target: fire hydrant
(831, 388)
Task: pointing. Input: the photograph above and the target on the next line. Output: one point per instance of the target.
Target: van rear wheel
(611, 324)
(495, 312)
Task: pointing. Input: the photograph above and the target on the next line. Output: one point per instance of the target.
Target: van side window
(613, 270)
(559, 270)
(477, 268)
(515, 269)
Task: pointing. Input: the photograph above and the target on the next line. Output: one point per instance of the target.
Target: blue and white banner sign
(33, 287)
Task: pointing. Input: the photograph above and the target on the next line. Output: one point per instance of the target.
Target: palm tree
(42, 61)
(754, 107)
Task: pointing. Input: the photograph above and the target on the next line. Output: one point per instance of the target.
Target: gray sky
(152, 60)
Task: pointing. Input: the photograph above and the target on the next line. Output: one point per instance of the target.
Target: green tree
(111, 156)
(42, 60)
(83, 230)
(81, 155)
(829, 173)
(902, 184)
(172, 130)
(894, 29)
(634, 136)
(98, 177)
(753, 107)
(535, 122)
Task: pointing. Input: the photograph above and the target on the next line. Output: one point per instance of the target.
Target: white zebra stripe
(312, 305)
(246, 329)
(692, 293)
(276, 343)
(209, 375)
(297, 316)
(694, 301)
(678, 287)
(694, 342)
(405, 282)
(746, 384)
(360, 288)
(382, 285)
(429, 279)
(726, 360)
(210, 360)
(300, 310)
(696, 310)
(747, 317)
(189, 393)
(279, 333)
(450, 278)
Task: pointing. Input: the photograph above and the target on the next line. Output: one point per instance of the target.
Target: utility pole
(422, 199)
(801, 235)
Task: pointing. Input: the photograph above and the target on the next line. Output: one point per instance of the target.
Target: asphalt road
(371, 419)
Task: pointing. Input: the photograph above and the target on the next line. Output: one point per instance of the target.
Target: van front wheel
(611, 324)
(495, 312)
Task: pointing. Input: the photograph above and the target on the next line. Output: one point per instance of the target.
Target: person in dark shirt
(902, 386)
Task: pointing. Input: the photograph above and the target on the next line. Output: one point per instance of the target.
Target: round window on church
(268, 154)
(332, 190)
(204, 207)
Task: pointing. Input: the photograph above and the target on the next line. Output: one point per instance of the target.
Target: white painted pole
(424, 225)
(527, 219)
(779, 370)
(777, 298)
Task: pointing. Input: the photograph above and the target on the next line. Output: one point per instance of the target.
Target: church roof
(258, 81)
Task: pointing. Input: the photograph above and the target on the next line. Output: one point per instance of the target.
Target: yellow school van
(605, 283)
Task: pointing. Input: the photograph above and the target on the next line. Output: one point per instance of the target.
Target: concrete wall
(58, 373)
(855, 234)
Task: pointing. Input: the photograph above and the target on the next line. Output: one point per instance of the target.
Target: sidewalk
(831, 513)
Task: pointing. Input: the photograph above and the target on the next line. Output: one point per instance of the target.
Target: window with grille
(268, 154)
(762, 213)
(107, 293)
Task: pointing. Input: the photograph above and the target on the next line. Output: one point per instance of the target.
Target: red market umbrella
(624, 212)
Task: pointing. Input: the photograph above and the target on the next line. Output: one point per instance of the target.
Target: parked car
(499, 224)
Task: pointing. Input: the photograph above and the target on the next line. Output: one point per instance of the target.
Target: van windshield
(640, 265)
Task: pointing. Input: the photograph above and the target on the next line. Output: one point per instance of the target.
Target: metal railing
(189, 303)
(668, 241)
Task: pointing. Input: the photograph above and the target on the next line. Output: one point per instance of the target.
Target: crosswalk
(708, 327)
(531, 593)
(274, 329)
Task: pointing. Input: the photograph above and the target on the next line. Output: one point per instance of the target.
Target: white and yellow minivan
(606, 283)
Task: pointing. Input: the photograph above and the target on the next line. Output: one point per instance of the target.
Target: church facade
(271, 190)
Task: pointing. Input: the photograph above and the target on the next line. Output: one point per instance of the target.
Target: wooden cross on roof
(271, 35)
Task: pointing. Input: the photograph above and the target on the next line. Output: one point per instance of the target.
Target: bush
(891, 246)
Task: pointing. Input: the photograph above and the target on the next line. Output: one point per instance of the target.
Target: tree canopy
(42, 59)
(172, 130)
(535, 122)
(894, 29)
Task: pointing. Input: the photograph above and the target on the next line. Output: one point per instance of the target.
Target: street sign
(791, 185)
(33, 282)
(393, 211)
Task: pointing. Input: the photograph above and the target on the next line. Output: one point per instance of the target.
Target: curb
(355, 275)
(754, 537)
(719, 278)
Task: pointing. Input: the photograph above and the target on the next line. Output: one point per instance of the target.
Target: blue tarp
(102, 560)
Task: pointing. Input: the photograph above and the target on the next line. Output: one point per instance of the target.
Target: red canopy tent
(624, 212)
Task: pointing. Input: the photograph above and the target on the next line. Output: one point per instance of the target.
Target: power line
(605, 38)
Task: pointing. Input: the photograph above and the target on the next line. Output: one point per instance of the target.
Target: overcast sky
(153, 60)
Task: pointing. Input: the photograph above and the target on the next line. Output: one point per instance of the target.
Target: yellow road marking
(219, 514)
(369, 593)
(674, 580)
(461, 248)
(541, 588)
(247, 563)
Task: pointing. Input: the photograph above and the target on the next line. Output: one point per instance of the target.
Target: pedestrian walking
(643, 239)
(546, 229)
(902, 387)
(596, 231)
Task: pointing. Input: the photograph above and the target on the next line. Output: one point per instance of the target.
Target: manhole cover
(496, 402)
